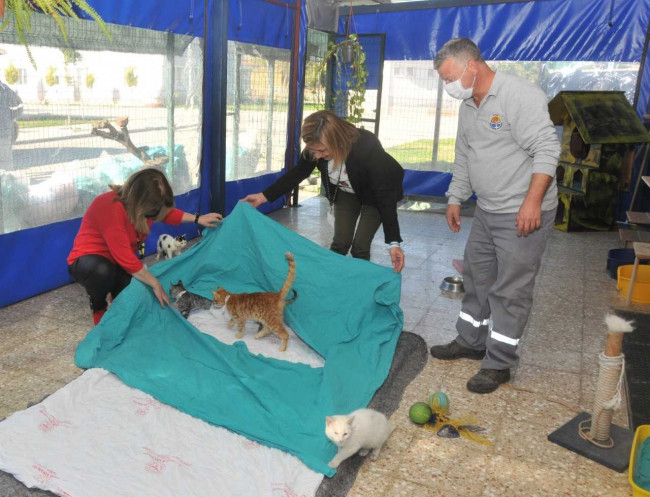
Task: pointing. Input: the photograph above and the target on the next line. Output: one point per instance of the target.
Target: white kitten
(363, 431)
(170, 246)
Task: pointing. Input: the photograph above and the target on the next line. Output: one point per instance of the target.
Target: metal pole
(217, 65)
(236, 113)
(170, 104)
(295, 100)
(269, 122)
(380, 80)
(436, 129)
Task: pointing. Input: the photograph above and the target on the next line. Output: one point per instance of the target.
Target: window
(258, 105)
(55, 168)
(410, 104)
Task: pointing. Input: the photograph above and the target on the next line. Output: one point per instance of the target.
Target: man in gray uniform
(506, 152)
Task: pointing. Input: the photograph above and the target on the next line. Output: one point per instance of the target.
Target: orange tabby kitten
(265, 307)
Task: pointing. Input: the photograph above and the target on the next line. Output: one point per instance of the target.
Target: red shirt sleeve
(175, 217)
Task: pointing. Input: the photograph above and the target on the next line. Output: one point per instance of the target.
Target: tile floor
(555, 379)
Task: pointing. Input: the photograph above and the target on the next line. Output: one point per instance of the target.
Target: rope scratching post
(610, 384)
(593, 435)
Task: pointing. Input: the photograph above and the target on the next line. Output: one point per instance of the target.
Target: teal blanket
(347, 310)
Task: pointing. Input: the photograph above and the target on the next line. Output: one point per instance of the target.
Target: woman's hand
(397, 258)
(210, 220)
(255, 199)
(149, 279)
(160, 293)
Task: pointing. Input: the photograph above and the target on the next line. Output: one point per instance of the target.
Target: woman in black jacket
(362, 183)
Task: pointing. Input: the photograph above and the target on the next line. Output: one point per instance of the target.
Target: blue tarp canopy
(548, 30)
(347, 310)
(556, 30)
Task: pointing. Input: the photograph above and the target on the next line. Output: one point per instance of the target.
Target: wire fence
(52, 164)
(419, 120)
(258, 106)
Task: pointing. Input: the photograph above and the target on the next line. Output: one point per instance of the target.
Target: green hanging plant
(90, 80)
(350, 59)
(20, 13)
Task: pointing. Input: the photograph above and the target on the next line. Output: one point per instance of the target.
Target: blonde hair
(334, 133)
(144, 194)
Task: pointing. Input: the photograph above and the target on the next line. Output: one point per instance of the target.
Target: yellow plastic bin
(642, 432)
(641, 290)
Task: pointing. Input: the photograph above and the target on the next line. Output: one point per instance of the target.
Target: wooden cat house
(600, 132)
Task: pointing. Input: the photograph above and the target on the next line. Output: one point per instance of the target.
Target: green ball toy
(420, 413)
(439, 403)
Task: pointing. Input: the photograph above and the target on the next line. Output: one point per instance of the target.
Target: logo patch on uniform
(495, 121)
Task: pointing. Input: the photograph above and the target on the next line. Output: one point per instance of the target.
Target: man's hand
(255, 199)
(397, 258)
(453, 217)
(529, 217)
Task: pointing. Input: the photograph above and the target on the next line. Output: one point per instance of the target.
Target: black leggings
(99, 277)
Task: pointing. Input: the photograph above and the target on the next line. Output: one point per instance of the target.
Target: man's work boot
(488, 380)
(454, 350)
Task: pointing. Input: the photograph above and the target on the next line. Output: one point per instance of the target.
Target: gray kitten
(186, 301)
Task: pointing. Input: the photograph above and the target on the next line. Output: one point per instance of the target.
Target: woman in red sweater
(114, 227)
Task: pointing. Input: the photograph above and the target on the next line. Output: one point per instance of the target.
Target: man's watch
(196, 218)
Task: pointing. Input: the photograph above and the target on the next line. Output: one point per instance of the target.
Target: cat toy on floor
(610, 385)
(433, 416)
(593, 435)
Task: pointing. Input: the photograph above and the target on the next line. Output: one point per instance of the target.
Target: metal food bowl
(452, 284)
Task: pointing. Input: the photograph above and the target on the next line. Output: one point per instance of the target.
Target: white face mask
(455, 88)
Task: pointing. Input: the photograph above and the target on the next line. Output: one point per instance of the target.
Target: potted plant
(350, 61)
(19, 12)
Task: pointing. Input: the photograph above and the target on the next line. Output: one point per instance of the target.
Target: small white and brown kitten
(362, 431)
(168, 246)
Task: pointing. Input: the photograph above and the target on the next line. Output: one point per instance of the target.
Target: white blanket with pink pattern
(97, 437)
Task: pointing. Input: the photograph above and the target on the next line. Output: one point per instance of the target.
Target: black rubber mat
(616, 458)
(636, 347)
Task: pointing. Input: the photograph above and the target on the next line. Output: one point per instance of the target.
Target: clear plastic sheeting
(315, 81)
(419, 120)
(554, 77)
(415, 115)
(86, 35)
(550, 30)
(258, 103)
(56, 167)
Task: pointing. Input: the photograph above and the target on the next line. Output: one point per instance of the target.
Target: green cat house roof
(600, 116)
